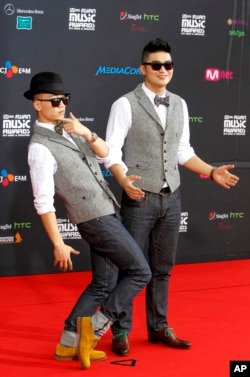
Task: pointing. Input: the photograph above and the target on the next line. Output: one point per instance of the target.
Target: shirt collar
(49, 126)
(149, 92)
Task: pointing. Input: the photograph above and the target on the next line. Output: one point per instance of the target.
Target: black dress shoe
(168, 337)
(120, 344)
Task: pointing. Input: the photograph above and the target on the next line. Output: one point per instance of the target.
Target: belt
(163, 191)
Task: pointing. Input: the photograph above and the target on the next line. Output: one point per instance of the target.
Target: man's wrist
(94, 137)
(211, 175)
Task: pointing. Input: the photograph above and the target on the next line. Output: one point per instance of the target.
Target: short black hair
(155, 45)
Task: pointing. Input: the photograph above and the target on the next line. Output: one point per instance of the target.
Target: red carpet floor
(209, 305)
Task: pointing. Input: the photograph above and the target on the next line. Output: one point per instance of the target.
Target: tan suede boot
(64, 353)
(87, 341)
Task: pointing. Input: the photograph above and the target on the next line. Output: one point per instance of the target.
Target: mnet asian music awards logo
(82, 19)
(183, 228)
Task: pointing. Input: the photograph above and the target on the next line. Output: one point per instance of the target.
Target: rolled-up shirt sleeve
(118, 125)
(42, 169)
(185, 151)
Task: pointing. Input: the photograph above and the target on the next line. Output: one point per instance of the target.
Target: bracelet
(211, 176)
(94, 137)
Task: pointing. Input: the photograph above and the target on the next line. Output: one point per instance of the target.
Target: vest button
(137, 165)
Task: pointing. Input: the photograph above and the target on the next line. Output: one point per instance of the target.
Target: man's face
(47, 113)
(157, 80)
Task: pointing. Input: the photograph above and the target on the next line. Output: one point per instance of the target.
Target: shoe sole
(65, 358)
(69, 358)
(168, 345)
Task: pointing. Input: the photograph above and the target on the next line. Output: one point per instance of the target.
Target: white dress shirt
(43, 166)
(120, 121)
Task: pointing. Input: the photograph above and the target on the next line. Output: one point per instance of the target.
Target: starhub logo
(236, 25)
(104, 70)
(215, 74)
(9, 70)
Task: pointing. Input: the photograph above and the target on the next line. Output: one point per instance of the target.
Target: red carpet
(209, 305)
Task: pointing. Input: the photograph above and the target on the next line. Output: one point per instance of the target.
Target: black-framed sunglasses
(156, 66)
(55, 102)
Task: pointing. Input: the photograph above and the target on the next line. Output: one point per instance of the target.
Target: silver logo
(9, 9)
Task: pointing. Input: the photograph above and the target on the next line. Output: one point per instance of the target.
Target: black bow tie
(59, 128)
(161, 101)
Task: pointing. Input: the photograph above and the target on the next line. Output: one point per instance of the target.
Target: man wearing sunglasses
(62, 158)
(148, 137)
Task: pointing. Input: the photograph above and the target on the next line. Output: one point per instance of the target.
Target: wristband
(94, 137)
(212, 173)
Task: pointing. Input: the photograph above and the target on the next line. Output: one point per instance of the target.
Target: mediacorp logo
(9, 70)
(104, 70)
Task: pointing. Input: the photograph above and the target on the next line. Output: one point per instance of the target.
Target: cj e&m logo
(9, 70)
(6, 178)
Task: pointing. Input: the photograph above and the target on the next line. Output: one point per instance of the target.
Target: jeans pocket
(128, 202)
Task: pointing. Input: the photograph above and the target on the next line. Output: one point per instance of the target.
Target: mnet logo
(215, 74)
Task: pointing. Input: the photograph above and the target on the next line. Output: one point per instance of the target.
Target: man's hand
(132, 191)
(72, 125)
(223, 177)
(62, 257)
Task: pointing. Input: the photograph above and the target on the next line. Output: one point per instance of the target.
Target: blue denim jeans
(112, 249)
(154, 223)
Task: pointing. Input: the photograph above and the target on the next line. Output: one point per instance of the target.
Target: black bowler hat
(45, 82)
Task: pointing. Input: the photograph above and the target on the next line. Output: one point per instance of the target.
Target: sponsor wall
(96, 46)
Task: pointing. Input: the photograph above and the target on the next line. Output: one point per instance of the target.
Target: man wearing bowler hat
(62, 159)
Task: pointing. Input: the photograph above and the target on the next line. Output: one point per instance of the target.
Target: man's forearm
(118, 172)
(50, 225)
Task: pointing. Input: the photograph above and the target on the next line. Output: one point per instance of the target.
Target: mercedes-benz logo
(9, 9)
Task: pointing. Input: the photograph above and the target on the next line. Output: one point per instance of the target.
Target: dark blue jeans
(112, 249)
(154, 223)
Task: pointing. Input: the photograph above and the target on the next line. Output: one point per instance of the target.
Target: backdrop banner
(95, 45)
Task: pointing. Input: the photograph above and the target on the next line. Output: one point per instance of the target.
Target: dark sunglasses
(156, 66)
(55, 102)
